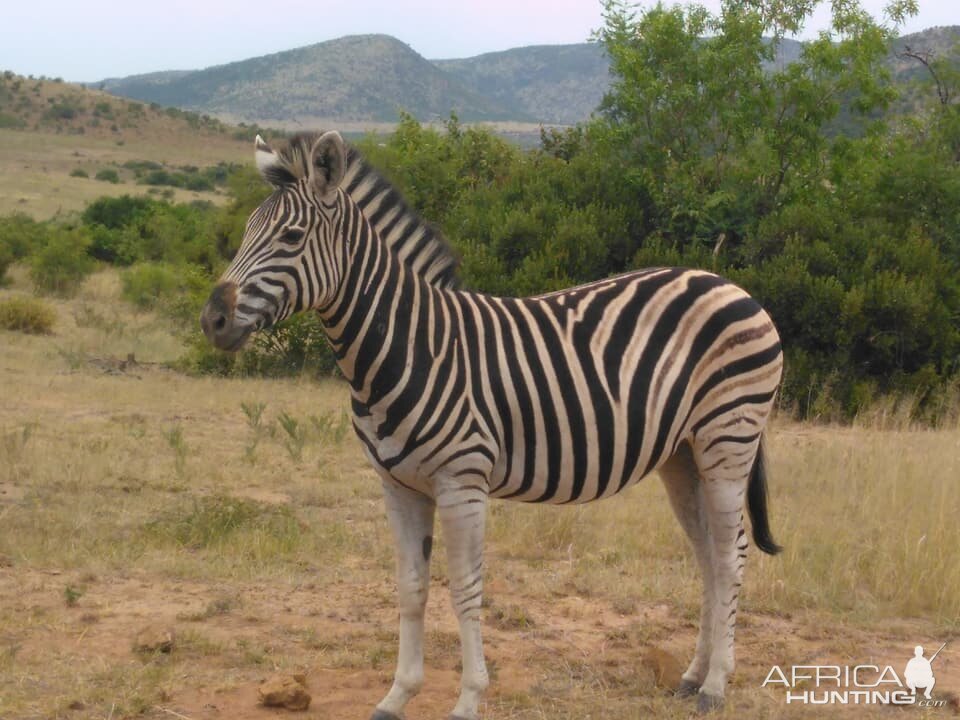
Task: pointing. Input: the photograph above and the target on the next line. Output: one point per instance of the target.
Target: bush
(27, 314)
(21, 235)
(116, 212)
(11, 122)
(179, 290)
(297, 346)
(64, 109)
(62, 264)
(6, 257)
(113, 246)
(108, 175)
(79, 172)
(103, 109)
(147, 284)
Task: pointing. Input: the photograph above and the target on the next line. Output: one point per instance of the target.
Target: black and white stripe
(563, 398)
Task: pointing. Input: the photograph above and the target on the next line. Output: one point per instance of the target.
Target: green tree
(706, 120)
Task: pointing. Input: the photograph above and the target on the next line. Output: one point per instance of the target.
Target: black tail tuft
(757, 505)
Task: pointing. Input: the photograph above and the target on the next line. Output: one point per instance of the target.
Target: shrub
(21, 235)
(6, 257)
(139, 167)
(27, 314)
(62, 264)
(116, 212)
(197, 183)
(113, 246)
(79, 172)
(63, 109)
(146, 285)
(11, 121)
(296, 346)
(159, 177)
(103, 109)
(107, 175)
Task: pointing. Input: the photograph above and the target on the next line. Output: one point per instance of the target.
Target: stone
(285, 691)
(666, 668)
(154, 639)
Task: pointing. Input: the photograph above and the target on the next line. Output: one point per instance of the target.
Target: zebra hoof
(383, 715)
(687, 689)
(707, 703)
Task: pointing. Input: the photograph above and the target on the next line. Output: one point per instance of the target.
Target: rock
(666, 668)
(285, 691)
(153, 639)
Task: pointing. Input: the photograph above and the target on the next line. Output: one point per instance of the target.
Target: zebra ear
(269, 164)
(328, 162)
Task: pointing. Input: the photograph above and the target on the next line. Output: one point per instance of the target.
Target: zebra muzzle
(218, 319)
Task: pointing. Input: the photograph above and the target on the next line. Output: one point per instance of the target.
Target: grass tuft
(220, 521)
(27, 315)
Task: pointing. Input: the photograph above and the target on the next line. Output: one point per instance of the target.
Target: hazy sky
(93, 39)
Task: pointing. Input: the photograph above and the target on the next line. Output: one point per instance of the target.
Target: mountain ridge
(371, 78)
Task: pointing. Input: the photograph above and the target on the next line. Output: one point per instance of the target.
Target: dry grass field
(35, 167)
(242, 514)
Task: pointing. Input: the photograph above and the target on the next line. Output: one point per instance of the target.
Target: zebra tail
(757, 505)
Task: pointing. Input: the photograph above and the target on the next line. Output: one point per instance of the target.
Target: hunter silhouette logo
(919, 671)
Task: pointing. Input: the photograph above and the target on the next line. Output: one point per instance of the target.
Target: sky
(90, 40)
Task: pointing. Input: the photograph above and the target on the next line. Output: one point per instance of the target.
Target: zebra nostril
(220, 323)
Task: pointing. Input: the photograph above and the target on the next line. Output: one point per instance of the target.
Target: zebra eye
(291, 236)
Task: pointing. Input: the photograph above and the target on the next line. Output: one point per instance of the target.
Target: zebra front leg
(463, 518)
(411, 519)
(682, 482)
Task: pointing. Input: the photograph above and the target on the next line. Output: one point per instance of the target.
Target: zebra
(458, 397)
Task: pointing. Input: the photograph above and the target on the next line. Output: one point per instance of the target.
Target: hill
(369, 78)
(357, 78)
(551, 83)
(57, 139)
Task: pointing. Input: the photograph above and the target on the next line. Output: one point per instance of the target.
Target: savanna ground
(242, 514)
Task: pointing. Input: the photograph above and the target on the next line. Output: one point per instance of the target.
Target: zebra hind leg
(411, 519)
(725, 464)
(682, 482)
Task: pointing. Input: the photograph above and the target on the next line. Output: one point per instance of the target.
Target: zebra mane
(419, 244)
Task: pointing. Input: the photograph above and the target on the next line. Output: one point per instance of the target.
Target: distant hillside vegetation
(52, 105)
(366, 77)
(551, 83)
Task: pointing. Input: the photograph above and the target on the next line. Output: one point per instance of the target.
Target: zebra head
(287, 259)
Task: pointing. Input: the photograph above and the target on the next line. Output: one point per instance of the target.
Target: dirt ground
(562, 650)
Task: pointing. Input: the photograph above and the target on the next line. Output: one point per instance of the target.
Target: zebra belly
(576, 473)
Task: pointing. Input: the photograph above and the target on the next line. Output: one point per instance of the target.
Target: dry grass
(869, 520)
(26, 314)
(147, 496)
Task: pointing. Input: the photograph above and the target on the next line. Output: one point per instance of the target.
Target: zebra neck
(382, 310)
(415, 242)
